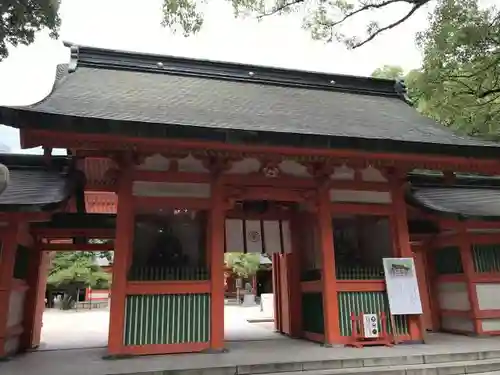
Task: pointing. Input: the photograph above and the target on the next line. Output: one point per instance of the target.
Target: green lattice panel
(486, 258)
(167, 319)
(367, 303)
(360, 273)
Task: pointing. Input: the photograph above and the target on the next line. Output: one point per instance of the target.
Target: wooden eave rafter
(111, 143)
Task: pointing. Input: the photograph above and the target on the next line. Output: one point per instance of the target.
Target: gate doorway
(72, 305)
(258, 248)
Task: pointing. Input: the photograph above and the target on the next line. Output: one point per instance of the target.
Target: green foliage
(21, 19)
(324, 19)
(78, 267)
(243, 265)
(459, 82)
(389, 72)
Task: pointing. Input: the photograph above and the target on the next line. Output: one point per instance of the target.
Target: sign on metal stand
(403, 294)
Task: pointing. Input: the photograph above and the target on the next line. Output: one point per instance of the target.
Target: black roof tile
(463, 202)
(187, 93)
(33, 186)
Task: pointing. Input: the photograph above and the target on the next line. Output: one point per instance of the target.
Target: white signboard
(402, 286)
(267, 304)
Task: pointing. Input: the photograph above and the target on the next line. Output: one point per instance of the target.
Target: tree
(324, 19)
(459, 82)
(389, 72)
(78, 267)
(243, 265)
(21, 19)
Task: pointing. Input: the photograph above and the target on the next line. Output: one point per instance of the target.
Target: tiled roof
(184, 93)
(32, 185)
(468, 197)
(460, 201)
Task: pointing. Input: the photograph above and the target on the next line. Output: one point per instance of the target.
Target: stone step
(418, 364)
(447, 368)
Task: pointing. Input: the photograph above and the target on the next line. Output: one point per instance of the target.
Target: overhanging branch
(416, 6)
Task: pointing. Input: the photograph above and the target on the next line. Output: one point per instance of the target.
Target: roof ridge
(92, 57)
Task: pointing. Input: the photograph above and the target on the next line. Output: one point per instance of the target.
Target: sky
(27, 75)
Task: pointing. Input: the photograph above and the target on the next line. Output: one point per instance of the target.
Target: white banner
(402, 286)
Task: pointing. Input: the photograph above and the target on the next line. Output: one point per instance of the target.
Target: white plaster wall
(489, 325)
(16, 308)
(158, 162)
(245, 166)
(291, 167)
(14, 318)
(342, 173)
(488, 296)
(457, 323)
(373, 175)
(358, 196)
(155, 162)
(170, 189)
(191, 164)
(12, 345)
(453, 296)
(370, 174)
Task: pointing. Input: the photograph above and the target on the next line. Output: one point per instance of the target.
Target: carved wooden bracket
(320, 169)
(217, 165)
(396, 176)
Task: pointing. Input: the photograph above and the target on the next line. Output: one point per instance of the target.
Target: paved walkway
(89, 328)
(90, 362)
(74, 329)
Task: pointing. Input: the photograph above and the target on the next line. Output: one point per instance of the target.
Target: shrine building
(173, 161)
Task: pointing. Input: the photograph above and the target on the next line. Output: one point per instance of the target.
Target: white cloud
(27, 75)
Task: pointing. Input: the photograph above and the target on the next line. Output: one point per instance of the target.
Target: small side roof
(143, 95)
(33, 186)
(473, 197)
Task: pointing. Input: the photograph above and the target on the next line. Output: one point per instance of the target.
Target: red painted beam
(34, 138)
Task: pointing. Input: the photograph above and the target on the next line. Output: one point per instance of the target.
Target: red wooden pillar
(465, 245)
(329, 278)
(294, 278)
(433, 292)
(276, 291)
(402, 242)
(123, 248)
(216, 233)
(7, 260)
(35, 298)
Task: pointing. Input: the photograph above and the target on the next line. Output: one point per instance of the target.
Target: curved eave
(460, 203)
(36, 190)
(23, 118)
